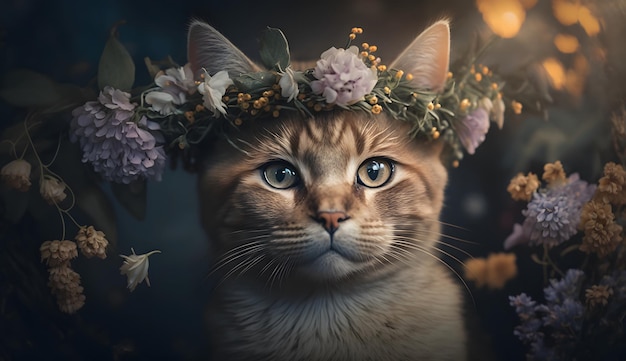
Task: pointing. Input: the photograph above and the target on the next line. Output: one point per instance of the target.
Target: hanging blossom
(553, 214)
(52, 190)
(472, 129)
(342, 77)
(135, 268)
(213, 89)
(16, 175)
(174, 85)
(121, 149)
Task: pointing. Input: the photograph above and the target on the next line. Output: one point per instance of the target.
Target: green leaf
(254, 81)
(116, 67)
(133, 197)
(274, 49)
(26, 88)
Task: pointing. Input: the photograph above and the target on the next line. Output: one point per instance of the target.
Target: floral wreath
(127, 134)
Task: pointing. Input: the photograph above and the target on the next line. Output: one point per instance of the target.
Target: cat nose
(330, 220)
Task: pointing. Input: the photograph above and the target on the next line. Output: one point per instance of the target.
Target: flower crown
(346, 78)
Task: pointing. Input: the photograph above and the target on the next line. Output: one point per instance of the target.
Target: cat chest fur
(379, 322)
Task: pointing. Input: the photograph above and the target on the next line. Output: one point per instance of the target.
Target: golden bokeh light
(588, 21)
(528, 4)
(566, 43)
(504, 17)
(555, 71)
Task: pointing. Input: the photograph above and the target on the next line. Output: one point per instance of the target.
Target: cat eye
(375, 172)
(280, 175)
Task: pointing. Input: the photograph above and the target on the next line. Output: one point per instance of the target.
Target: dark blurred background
(64, 39)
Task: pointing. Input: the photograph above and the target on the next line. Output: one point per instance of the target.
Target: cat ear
(428, 57)
(209, 49)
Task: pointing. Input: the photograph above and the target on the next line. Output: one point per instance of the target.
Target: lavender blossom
(120, 149)
(553, 214)
(472, 129)
(342, 77)
(568, 287)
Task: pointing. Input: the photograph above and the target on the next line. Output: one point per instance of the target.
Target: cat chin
(330, 266)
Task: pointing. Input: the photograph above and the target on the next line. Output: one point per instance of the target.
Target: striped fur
(280, 295)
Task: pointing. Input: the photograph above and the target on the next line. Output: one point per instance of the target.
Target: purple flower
(343, 78)
(567, 316)
(120, 149)
(553, 214)
(568, 287)
(472, 129)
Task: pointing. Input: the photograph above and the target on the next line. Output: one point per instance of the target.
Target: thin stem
(67, 213)
(62, 223)
(56, 152)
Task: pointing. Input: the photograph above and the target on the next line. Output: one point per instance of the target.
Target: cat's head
(342, 195)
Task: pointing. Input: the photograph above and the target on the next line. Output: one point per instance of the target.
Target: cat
(324, 229)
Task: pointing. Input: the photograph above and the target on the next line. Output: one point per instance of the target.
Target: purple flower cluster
(120, 148)
(557, 323)
(553, 214)
(472, 129)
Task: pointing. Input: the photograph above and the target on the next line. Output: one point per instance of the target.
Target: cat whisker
(235, 254)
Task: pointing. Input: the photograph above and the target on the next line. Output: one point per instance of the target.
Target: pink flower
(343, 78)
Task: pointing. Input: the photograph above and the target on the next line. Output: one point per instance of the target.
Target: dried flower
(597, 295)
(52, 190)
(135, 268)
(493, 272)
(120, 149)
(612, 186)
(342, 77)
(213, 89)
(522, 187)
(16, 175)
(553, 173)
(552, 216)
(567, 287)
(64, 283)
(601, 234)
(288, 84)
(56, 253)
(472, 129)
(92, 242)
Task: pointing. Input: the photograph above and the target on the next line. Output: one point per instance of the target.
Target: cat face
(343, 195)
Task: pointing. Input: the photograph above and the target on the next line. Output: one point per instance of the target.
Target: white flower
(288, 84)
(175, 84)
(343, 78)
(213, 89)
(135, 268)
(163, 102)
(497, 113)
(52, 190)
(17, 175)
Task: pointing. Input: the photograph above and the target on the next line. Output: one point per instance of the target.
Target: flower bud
(52, 190)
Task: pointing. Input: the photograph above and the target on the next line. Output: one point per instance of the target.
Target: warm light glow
(589, 22)
(555, 71)
(566, 43)
(565, 12)
(527, 4)
(504, 17)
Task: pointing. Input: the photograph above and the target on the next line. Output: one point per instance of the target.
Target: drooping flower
(64, 283)
(472, 129)
(174, 84)
(52, 190)
(612, 185)
(121, 149)
(342, 77)
(16, 175)
(92, 242)
(56, 253)
(213, 89)
(522, 187)
(288, 84)
(552, 215)
(135, 268)
(601, 234)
